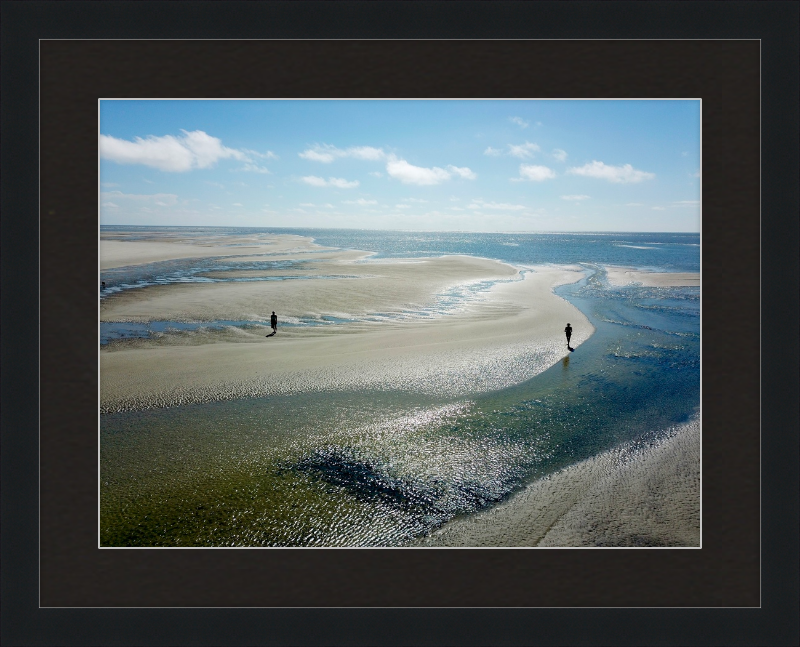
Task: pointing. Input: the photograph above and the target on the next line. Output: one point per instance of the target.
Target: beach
(644, 493)
(427, 401)
(513, 332)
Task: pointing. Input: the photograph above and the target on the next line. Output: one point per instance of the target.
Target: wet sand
(505, 336)
(645, 493)
(117, 251)
(621, 276)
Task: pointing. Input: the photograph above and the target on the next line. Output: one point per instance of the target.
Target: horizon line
(431, 231)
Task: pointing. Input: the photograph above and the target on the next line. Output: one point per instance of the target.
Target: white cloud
(326, 153)
(464, 172)
(269, 155)
(402, 206)
(306, 204)
(480, 204)
(360, 201)
(317, 156)
(109, 185)
(620, 174)
(366, 153)
(494, 152)
(237, 204)
(687, 203)
(194, 149)
(410, 174)
(419, 200)
(634, 204)
(523, 151)
(574, 197)
(519, 121)
(110, 204)
(376, 173)
(339, 183)
(535, 173)
(254, 168)
(559, 154)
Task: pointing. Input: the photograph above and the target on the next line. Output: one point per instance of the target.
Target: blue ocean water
(384, 468)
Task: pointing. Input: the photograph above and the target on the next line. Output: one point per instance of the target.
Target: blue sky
(418, 165)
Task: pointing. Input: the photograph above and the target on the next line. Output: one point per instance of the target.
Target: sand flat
(512, 334)
(405, 324)
(645, 494)
(120, 253)
(368, 288)
(621, 276)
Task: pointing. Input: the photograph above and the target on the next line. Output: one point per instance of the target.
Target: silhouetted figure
(568, 331)
(273, 321)
(102, 285)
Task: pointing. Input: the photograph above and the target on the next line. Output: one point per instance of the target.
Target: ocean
(386, 467)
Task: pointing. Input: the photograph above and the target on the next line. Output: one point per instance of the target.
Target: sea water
(384, 468)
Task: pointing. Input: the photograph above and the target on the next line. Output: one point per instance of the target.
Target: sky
(425, 165)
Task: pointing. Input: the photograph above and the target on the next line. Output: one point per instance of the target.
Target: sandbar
(502, 335)
(645, 493)
(621, 276)
(118, 251)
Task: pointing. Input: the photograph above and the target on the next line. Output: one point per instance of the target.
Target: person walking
(568, 331)
(273, 321)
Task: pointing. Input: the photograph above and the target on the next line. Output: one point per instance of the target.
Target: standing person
(273, 321)
(568, 331)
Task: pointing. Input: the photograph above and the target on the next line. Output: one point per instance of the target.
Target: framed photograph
(415, 333)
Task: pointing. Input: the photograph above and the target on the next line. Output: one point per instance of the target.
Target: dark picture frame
(740, 58)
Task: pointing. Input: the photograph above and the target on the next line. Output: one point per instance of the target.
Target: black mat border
(453, 626)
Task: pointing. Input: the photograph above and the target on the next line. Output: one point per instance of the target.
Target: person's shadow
(570, 348)
(271, 334)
